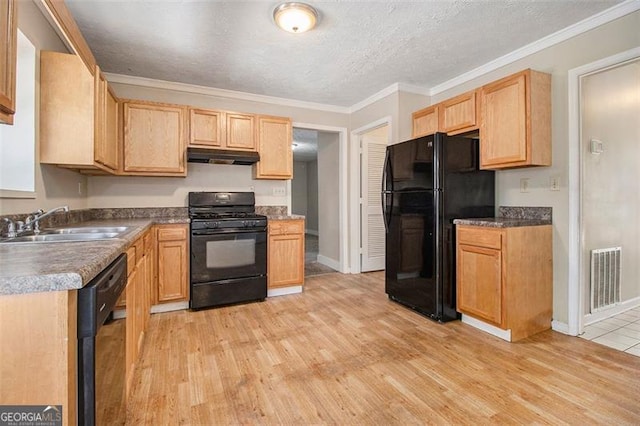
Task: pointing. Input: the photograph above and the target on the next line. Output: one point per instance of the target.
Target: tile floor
(621, 332)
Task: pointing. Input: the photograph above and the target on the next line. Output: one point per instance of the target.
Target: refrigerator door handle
(386, 171)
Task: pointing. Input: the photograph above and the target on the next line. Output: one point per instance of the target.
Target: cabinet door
(240, 131)
(459, 114)
(503, 135)
(173, 260)
(131, 352)
(154, 139)
(206, 128)
(286, 260)
(8, 51)
(106, 122)
(425, 121)
(276, 155)
(479, 286)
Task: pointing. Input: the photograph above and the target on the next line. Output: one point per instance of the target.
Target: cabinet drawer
(172, 234)
(482, 237)
(286, 227)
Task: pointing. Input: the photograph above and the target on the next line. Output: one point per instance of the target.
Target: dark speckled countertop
(38, 267)
(511, 217)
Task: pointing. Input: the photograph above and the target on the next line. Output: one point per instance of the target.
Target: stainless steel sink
(50, 238)
(86, 230)
(85, 233)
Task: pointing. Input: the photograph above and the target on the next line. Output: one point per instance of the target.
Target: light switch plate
(554, 183)
(279, 192)
(524, 184)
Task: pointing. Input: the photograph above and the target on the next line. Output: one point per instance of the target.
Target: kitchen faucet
(31, 223)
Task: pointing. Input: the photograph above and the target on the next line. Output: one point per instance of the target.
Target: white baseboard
(495, 331)
(311, 232)
(168, 307)
(284, 291)
(327, 261)
(561, 327)
(615, 310)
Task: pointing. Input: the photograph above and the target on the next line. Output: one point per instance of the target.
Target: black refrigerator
(427, 183)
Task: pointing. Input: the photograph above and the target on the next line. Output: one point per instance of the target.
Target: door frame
(576, 293)
(343, 180)
(356, 200)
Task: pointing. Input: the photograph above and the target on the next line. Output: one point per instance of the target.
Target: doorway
(315, 194)
(606, 290)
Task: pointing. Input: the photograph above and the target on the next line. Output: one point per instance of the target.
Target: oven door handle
(229, 231)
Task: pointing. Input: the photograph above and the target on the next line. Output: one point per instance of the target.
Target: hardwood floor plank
(342, 353)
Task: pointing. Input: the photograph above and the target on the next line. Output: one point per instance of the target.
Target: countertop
(30, 268)
(284, 216)
(501, 222)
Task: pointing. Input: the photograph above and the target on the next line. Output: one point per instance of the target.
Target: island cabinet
(78, 116)
(515, 129)
(222, 130)
(285, 256)
(8, 53)
(504, 277)
(154, 139)
(274, 145)
(173, 263)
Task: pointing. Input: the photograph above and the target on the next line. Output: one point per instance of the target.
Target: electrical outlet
(79, 188)
(554, 183)
(524, 184)
(279, 192)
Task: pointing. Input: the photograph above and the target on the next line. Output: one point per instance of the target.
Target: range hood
(221, 156)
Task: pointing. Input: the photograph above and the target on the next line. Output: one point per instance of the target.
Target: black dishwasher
(101, 348)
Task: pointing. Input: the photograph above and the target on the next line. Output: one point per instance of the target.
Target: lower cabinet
(173, 263)
(505, 277)
(285, 256)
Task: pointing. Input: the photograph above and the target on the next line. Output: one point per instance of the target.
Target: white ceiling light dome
(295, 17)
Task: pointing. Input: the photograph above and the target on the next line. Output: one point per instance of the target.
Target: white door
(374, 144)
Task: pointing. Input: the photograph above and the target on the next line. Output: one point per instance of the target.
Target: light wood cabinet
(459, 114)
(240, 131)
(515, 128)
(8, 53)
(425, 121)
(285, 267)
(173, 263)
(78, 119)
(223, 130)
(505, 277)
(154, 138)
(274, 145)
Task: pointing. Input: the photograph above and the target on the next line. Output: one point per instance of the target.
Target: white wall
(610, 196)
(329, 196)
(617, 36)
(312, 196)
(299, 188)
(53, 186)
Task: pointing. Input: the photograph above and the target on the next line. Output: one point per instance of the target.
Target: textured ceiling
(357, 49)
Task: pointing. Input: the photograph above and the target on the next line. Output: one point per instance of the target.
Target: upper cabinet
(425, 121)
(222, 130)
(78, 120)
(515, 129)
(274, 145)
(154, 138)
(459, 114)
(513, 116)
(241, 131)
(8, 51)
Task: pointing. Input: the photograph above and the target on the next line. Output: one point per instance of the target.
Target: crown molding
(606, 16)
(222, 93)
(389, 90)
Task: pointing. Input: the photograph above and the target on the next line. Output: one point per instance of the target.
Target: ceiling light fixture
(295, 17)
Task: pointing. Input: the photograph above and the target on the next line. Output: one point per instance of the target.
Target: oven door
(223, 255)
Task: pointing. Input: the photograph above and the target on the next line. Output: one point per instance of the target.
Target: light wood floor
(342, 353)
